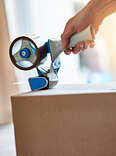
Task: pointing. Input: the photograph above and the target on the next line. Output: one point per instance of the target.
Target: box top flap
(75, 89)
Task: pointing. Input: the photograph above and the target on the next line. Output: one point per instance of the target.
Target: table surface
(7, 142)
(75, 89)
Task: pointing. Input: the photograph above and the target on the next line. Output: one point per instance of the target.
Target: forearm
(101, 8)
(104, 7)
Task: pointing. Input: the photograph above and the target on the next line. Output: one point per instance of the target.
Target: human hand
(76, 24)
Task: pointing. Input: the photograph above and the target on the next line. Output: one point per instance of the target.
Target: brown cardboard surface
(79, 124)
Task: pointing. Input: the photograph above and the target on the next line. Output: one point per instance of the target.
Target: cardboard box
(71, 120)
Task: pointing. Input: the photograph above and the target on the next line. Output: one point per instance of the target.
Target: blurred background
(47, 18)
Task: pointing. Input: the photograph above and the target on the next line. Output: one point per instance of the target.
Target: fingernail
(68, 53)
(75, 52)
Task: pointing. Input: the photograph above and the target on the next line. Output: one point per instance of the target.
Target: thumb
(65, 37)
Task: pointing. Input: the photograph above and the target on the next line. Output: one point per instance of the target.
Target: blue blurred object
(99, 77)
(37, 83)
(25, 53)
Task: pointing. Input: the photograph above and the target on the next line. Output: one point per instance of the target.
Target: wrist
(102, 8)
(94, 13)
(99, 9)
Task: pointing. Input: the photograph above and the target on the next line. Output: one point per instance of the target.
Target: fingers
(68, 32)
(81, 46)
(66, 38)
(92, 44)
(77, 48)
(86, 45)
(65, 42)
(67, 52)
